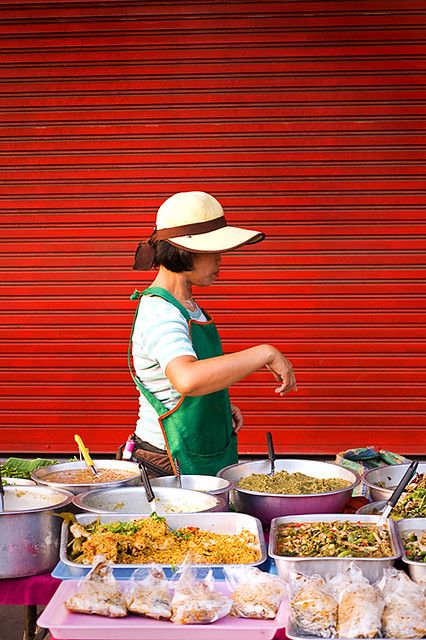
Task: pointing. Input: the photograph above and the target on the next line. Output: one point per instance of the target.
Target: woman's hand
(282, 370)
(237, 418)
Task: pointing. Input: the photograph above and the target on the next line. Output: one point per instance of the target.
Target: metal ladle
(398, 491)
(271, 453)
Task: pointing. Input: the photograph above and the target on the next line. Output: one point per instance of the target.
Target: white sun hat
(194, 221)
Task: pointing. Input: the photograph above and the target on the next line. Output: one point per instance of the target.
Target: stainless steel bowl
(29, 532)
(267, 506)
(209, 484)
(417, 570)
(372, 508)
(133, 500)
(17, 481)
(40, 475)
(382, 481)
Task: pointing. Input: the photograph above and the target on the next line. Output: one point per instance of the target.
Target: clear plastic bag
(404, 615)
(254, 593)
(98, 593)
(313, 609)
(195, 601)
(149, 593)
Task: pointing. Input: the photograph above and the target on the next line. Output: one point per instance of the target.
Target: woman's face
(206, 269)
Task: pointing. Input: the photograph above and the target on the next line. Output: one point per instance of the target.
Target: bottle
(128, 448)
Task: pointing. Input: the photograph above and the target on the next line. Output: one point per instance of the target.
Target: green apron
(198, 431)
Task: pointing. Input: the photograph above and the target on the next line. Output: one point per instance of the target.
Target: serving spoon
(85, 453)
(398, 491)
(271, 453)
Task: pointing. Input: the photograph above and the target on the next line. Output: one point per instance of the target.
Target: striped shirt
(161, 333)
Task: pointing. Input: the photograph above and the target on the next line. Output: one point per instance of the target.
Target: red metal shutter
(305, 119)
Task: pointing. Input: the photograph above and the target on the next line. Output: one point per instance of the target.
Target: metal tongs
(397, 492)
(148, 487)
(1, 495)
(85, 453)
(271, 453)
(178, 474)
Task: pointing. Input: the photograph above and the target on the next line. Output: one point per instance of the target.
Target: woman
(179, 367)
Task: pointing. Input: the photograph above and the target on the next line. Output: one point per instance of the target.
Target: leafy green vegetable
(21, 468)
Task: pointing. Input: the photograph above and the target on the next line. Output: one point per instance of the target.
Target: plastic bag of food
(98, 593)
(254, 593)
(360, 604)
(195, 601)
(404, 615)
(148, 593)
(313, 610)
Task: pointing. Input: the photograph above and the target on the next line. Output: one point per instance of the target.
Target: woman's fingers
(237, 418)
(285, 375)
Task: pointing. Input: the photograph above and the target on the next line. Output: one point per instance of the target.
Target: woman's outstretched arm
(193, 377)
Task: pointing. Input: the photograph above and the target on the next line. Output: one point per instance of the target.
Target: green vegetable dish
(415, 546)
(337, 539)
(412, 503)
(283, 482)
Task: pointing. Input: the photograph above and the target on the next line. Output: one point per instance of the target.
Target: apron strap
(155, 403)
(166, 295)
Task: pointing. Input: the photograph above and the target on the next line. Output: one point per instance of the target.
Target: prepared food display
(86, 476)
(348, 605)
(415, 545)
(188, 598)
(151, 539)
(283, 482)
(412, 503)
(335, 539)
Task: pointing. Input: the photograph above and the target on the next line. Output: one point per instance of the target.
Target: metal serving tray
(417, 570)
(372, 568)
(219, 522)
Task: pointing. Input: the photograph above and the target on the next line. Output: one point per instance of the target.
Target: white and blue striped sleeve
(162, 331)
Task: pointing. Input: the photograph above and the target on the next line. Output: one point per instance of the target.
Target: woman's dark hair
(172, 258)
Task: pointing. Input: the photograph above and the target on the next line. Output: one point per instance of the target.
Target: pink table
(280, 635)
(29, 592)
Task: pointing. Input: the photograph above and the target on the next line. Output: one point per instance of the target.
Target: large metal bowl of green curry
(297, 487)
